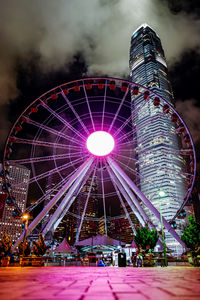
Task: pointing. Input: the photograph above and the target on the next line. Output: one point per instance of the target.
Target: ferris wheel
(82, 138)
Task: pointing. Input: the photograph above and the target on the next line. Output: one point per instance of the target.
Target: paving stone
(130, 296)
(124, 288)
(155, 293)
(92, 283)
(99, 296)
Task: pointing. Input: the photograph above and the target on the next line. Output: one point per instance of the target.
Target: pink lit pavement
(88, 283)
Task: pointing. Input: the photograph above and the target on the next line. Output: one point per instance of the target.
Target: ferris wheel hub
(100, 143)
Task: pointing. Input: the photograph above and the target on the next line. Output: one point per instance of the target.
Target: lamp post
(25, 219)
(162, 194)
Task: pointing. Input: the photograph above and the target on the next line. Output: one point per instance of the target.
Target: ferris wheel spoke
(118, 110)
(129, 152)
(104, 106)
(159, 168)
(86, 204)
(43, 143)
(48, 194)
(62, 213)
(134, 172)
(121, 201)
(63, 121)
(150, 121)
(48, 173)
(103, 197)
(115, 167)
(45, 158)
(89, 109)
(125, 157)
(79, 173)
(55, 170)
(144, 179)
(126, 143)
(164, 152)
(52, 131)
(82, 176)
(122, 126)
(137, 110)
(74, 112)
(128, 196)
(125, 136)
(158, 137)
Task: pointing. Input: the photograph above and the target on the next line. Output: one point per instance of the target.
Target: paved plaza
(88, 283)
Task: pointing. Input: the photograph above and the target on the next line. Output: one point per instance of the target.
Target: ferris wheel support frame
(69, 197)
(66, 209)
(116, 169)
(116, 186)
(133, 202)
(128, 197)
(85, 206)
(81, 170)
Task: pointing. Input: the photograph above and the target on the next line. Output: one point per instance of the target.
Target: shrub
(191, 234)
(146, 238)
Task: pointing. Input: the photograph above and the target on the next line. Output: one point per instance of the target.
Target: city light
(100, 143)
(25, 217)
(161, 193)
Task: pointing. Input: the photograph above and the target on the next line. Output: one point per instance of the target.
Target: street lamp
(25, 218)
(162, 194)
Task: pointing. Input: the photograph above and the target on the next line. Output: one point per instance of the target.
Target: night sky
(46, 43)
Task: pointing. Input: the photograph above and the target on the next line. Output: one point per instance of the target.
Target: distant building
(127, 232)
(101, 225)
(159, 163)
(89, 227)
(68, 227)
(8, 224)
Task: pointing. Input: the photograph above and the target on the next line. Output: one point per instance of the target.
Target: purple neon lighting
(100, 143)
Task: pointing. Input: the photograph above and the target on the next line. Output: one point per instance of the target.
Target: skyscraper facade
(8, 224)
(159, 163)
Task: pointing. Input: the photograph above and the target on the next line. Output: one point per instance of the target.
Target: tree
(40, 248)
(5, 246)
(24, 248)
(146, 238)
(191, 234)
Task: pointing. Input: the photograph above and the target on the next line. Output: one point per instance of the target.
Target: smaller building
(19, 177)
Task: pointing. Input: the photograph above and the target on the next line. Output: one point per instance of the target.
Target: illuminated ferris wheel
(84, 133)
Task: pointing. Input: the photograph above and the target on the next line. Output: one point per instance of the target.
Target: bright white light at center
(100, 143)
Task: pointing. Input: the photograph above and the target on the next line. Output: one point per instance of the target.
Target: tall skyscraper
(157, 145)
(8, 224)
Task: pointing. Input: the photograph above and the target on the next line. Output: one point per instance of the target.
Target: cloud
(4, 125)
(190, 112)
(190, 7)
(98, 29)
(101, 30)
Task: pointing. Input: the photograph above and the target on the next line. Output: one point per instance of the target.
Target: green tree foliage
(191, 234)
(5, 245)
(146, 238)
(39, 248)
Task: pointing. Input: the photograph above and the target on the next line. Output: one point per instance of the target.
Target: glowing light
(161, 193)
(100, 143)
(25, 217)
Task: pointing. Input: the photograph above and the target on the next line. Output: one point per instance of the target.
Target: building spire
(144, 25)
